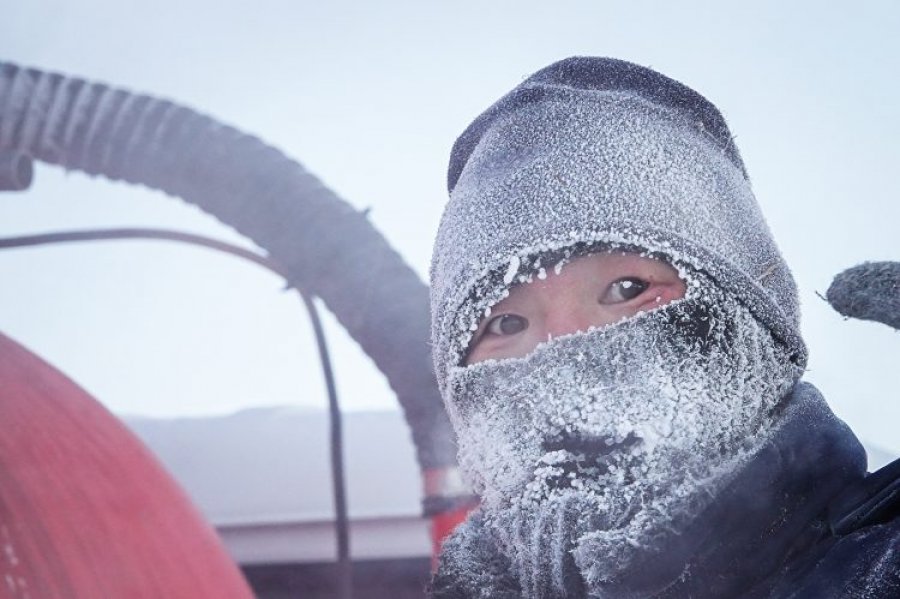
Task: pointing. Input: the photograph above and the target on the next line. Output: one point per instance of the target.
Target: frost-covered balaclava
(594, 452)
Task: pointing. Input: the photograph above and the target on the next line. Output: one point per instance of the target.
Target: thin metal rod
(345, 574)
(345, 571)
(142, 233)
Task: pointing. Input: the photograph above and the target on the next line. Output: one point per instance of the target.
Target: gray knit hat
(600, 150)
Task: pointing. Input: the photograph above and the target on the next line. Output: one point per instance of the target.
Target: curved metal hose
(324, 245)
(15, 171)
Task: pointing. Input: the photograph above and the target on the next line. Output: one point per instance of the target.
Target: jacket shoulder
(874, 500)
(864, 563)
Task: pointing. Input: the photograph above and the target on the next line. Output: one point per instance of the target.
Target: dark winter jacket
(802, 520)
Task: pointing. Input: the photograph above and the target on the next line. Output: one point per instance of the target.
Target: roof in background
(271, 465)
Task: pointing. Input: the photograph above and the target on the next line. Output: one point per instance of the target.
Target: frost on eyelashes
(495, 281)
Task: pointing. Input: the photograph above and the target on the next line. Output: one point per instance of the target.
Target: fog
(370, 97)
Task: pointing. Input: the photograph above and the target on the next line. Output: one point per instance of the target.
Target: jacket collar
(775, 509)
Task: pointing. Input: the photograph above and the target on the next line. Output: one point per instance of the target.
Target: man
(616, 338)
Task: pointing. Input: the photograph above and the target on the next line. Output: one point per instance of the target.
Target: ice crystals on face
(622, 433)
(512, 270)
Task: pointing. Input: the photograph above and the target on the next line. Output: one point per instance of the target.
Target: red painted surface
(442, 525)
(447, 482)
(85, 510)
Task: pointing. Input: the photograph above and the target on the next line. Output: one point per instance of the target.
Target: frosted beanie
(600, 150)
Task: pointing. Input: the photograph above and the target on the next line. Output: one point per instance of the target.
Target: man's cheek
(495, 450)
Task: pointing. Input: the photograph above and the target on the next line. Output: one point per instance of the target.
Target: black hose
(342, 528)
(323, 244)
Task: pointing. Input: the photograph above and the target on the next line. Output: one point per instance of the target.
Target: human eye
(623, 290)
(506, 324)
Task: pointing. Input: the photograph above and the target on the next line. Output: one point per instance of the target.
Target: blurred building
(262, 477)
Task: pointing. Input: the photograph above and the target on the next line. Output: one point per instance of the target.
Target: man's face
(594, 449)
(590, 291)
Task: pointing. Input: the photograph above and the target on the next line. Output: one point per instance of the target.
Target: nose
(565, 318)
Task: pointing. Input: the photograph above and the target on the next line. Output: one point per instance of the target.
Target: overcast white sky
(370, 96)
